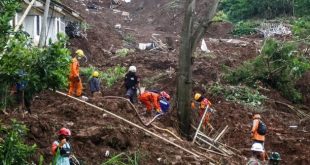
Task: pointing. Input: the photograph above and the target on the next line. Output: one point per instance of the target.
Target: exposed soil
(94, 132)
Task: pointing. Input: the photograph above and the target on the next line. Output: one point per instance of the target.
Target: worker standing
(94, 83)
(131, 82)
(203, 104)
(258, 132)
(75, 85)
(61, 148)
(152, 100)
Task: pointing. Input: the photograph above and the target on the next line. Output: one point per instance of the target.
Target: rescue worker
(257, 149)
(94, 83)
(23, 95)
(151, 100)
(131, 82)
(61, 148)
(256, 137)
(203, 103)
(75, 85)
(274, 158)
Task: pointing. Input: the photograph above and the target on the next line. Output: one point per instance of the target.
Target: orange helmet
(64, 131)
(165, 95)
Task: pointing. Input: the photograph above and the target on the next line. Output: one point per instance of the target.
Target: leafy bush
(220, 16)
(42, 67)
(245, 28)
(280, 65)
(239, 94)
(301, 28)
(13, 150)
(129, 38)
(8, 9)
(110, 76)
(245, 9)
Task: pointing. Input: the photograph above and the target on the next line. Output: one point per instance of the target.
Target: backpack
(262, 128)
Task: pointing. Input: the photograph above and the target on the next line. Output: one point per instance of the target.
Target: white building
(59, 16)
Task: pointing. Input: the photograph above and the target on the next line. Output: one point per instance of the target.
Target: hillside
(95, 132)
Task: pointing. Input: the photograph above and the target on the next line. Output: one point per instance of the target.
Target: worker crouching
(204, 104)
(158, 101)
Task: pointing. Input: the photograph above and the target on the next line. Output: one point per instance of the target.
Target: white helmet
(257, 147)
(132, 69)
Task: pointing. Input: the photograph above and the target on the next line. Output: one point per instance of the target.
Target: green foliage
(124, 52)
(124, 159)
(220, 16)
(280, 65)
(44, 68)
(239, 94)
(129, 38)
(245, 28)
(110, 76)
(245, 9)
(301, 28)
(302, 7)
(8, 9)
(13, 150)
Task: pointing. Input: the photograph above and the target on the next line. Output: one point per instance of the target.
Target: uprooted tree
(191, 34)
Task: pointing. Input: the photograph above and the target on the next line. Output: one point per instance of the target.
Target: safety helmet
(256, 116)
(95, 74)
(165, 95)
(64, 131)
(132, 69)
(275, 156)
(80, 52)
(257, 147)
(197, 96)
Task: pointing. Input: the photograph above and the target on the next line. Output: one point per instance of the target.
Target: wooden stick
(200, 123)
(131, 123)
(214, 152)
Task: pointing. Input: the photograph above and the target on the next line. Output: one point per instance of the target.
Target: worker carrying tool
(131, 83)
(204, 105)
(159, 101)
(75, 82)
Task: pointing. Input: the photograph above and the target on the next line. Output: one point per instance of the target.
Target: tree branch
(204, 23)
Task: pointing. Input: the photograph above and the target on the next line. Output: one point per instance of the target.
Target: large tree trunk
(190, 38)
(184, 88)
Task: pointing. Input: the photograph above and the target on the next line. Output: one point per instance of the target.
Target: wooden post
(42, 40)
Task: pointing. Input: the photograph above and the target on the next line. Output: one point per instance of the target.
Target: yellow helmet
(95, 74)
(80, 52)
(197, 96)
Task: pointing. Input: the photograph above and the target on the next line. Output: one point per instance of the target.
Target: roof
(57, 6)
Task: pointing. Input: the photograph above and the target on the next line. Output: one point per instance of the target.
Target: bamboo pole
(131, 123)
(24, 16)
(200, 123)
(17, 26)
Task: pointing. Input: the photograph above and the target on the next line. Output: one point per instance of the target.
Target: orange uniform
(74, 78)
(255, 135)
(150, 99)
(202, 107)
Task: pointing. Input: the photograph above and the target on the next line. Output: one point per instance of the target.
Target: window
(38, 25)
